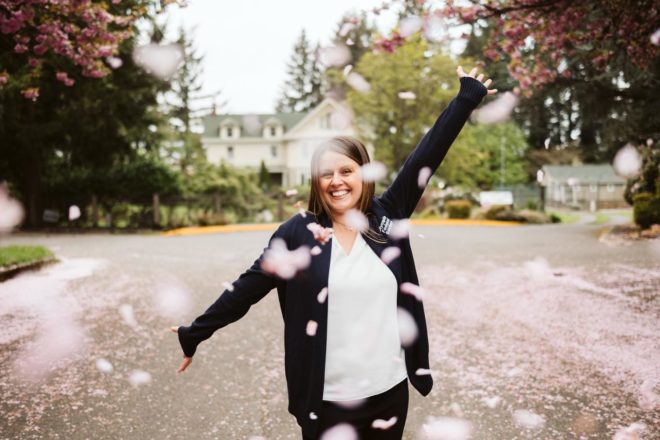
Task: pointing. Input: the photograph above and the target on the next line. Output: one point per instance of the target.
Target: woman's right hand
(186, 360)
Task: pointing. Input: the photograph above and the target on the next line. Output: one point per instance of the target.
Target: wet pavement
(536, 332)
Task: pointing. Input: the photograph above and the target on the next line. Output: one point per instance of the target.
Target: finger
(460, 71)
(184, 364)
(488, 82)
(480, 77)
(473, 72)
(174, 329)
(492, 91)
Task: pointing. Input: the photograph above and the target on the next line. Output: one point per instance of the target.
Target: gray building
(584, 187)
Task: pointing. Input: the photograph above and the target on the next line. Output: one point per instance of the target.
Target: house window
(230, 132)
(230, 152)
(273, 150)
(593, 187)
(273, 131)
(610, 188)
(324, 122)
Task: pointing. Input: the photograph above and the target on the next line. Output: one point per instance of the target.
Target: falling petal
(373, 171)
(335, 56)
(631, 432)
(114, 62)
(11, 211)
(414, 290)
(527, 419)
(546, 143)
(172, 301)
(139, 377)
(648, 398)
(384, 424)
(410, 25)
(389, 254)
(346, 28)
(291, 192)
(649, 142)
(311, 328)
(342, 431)
(400, 229)
(492, 402)
(251, 123)
(315, 251)
(302, 213)
(323, 294)
(423, 372)
(423, 177)
(515, 371)
(340, 120)
(279, 261)
(347, 70)
(161, 61)
(356, 220)
(313, 416)
(104, 366)
(127, 314)
(435, 28)
(407, 327)
(74, 212)
(358, 82)
(446, 428)
(228, 286)
(655, 38)
(407, 96)
(627, 162)
(321, 234)
(498, 110)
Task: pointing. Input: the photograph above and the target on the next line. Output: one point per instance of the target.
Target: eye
(347, 171)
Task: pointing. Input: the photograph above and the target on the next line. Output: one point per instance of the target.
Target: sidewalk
(246, 227)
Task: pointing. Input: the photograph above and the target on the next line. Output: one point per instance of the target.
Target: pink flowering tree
(76, 37)
(543, 40)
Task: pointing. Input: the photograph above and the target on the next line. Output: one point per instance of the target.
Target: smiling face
(340, 182)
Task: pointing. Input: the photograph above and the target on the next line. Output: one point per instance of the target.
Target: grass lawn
(601, 218)
(566, 217)
(12, 255)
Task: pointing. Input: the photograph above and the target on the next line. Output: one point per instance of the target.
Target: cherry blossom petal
(356, 220)
(414, 290)
(312, 326)
(384, 424)
(410, 25)
(139, 377)
(358, 82)
(323, 294)
(627, 162)
(342, 431)
(407, 327)
(528, 419)
(373, 171)
(423, 177)
(446, 428)
(161, 61)
(335, 56)
(498, 110)
(74, 212)
(389, 254)
(104, 366)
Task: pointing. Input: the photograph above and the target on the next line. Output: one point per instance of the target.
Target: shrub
(534, 217)
(495, 210)
(554, 218)
(646, 210)
(458, 208)
(532, 204)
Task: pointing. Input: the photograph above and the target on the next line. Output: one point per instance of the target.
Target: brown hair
(355, 150)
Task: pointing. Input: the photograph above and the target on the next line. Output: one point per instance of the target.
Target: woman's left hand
(480, 77)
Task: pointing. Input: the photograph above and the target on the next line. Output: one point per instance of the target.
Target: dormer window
(273, 131)
(229, 129)
(230, 132)
(272, 128)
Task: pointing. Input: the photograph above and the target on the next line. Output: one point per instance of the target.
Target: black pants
(391, 403)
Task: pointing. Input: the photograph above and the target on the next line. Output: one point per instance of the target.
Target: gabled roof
(327, 102)
(251, 124)
(601, 173)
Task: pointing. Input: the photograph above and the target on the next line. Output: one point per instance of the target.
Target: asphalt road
(536, 332)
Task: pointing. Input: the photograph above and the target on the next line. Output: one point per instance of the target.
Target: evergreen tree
(302, 90)
(264, 176)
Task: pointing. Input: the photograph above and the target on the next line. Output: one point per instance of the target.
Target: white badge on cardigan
(385, 225)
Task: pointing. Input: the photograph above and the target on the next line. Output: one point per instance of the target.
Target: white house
(284, 141)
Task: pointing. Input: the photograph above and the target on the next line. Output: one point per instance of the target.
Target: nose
(335, 178)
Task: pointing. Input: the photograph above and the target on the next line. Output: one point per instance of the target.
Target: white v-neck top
(363, 355)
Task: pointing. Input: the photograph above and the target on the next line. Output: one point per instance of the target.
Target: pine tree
(302, 90)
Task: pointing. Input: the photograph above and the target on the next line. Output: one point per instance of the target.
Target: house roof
(251, 124)
(601, 173)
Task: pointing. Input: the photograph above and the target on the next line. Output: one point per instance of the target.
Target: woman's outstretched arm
(232, 305)
(403, 194)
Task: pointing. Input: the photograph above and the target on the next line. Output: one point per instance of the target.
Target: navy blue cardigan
(304, 358)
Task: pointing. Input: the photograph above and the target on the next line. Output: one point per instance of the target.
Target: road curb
(13, 270)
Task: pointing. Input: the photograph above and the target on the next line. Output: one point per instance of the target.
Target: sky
(246, 44)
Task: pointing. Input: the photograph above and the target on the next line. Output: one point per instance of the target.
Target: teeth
(339, 193)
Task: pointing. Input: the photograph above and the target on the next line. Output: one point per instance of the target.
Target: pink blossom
(31, 93)
(20, 48)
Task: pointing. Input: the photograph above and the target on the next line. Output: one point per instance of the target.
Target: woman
(346, 362)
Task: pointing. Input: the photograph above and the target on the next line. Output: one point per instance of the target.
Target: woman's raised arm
(402, 195)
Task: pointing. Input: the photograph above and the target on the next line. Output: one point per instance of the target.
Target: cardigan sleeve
(402, 195)
(232, 305)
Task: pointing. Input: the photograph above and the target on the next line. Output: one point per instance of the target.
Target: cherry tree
(77, 37)
(543, 40)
